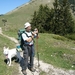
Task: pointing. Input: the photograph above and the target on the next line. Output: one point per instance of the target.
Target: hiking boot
(24, 72)
(32, 69)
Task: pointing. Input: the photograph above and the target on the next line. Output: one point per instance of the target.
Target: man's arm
(28, 39)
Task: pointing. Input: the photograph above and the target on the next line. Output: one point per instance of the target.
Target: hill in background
(17, 17)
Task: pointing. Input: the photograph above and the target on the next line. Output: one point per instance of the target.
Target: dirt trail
(47, 68)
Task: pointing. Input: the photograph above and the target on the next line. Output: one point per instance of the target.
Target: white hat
(27, 24)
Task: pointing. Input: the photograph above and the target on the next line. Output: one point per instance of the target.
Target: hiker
(28, 52)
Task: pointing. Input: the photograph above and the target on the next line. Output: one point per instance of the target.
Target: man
(28, 47)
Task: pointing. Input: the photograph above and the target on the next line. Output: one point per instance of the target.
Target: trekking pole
(37, 49)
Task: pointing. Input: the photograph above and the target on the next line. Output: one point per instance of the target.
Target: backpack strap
(27, 34)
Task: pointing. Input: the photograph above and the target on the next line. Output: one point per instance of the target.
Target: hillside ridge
(17, 8)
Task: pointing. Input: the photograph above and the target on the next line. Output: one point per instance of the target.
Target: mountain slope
(17, 17)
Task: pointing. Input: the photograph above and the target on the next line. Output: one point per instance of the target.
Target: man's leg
(32, 58)
(25, 55)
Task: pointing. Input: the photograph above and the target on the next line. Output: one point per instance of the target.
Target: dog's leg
(9, 61)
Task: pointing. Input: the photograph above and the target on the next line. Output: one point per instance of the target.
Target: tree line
(72, 5)
(57, 20)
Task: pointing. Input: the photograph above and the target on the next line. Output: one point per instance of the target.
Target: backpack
(20, 39)
(21, 42)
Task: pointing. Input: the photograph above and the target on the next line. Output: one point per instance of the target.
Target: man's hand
(35, 31)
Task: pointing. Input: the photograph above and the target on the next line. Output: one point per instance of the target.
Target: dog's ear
(4, 47)
(8, 48)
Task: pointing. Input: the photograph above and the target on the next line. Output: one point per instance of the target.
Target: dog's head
(5, 51)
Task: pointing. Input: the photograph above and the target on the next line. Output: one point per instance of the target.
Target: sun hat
(27, 24)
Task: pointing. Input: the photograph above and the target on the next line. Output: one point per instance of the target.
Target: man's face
(28, 29)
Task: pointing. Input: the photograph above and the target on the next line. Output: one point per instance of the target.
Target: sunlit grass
(56, 50)
(4, 68)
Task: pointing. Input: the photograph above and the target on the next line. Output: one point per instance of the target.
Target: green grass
(53, 49)
(42, 73)
(4, 68)
(11, 33)
(71, 36)
(56, 50)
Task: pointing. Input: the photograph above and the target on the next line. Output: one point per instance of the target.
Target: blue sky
(8, 5)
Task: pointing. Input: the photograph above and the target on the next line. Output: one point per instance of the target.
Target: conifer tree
(34, 20)
(39, 19)
(57, 20)
(67, 20)
(46, 15)
(63, 21)
(56, 24)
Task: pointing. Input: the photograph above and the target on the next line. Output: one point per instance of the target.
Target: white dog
(9, 53)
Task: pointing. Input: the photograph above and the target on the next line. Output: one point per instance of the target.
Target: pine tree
(67, 20)
(40, 19)
(34, 20)
(63, 21)
(46, 18)
(57, 20)
(56, 24)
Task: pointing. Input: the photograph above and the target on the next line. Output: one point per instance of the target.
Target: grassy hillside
(17, 17)
(53, 49)
(4, 69)
(57, 50)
